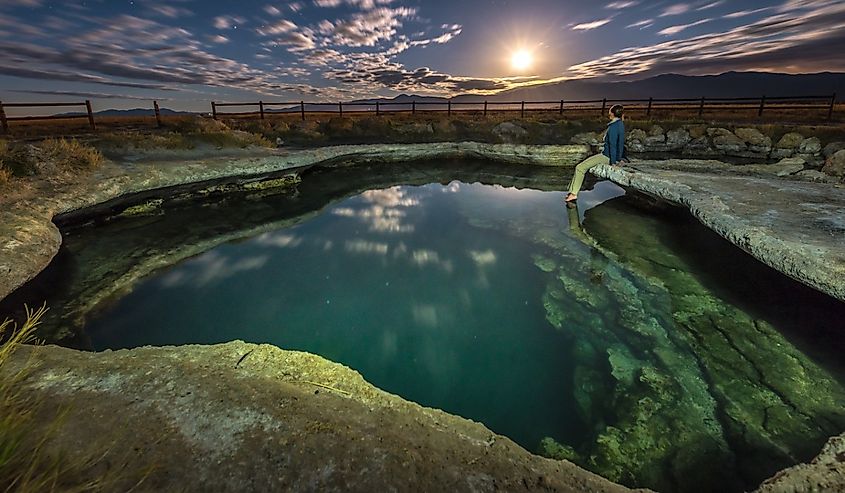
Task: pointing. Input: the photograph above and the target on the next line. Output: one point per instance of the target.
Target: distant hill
(729, 84)
(131, 112)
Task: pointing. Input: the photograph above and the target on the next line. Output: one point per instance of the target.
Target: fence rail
(700, 105)
(4, 120)
(824, 104)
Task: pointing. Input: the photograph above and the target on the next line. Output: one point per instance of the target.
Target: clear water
(394, 283)
(627, 338)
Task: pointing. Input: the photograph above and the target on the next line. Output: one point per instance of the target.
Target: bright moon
(521, 60)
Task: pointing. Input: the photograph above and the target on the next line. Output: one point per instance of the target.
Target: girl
(612, 153)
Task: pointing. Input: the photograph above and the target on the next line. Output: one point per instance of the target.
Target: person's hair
(617, 110)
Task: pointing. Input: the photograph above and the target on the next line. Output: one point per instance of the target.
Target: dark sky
(122, 53)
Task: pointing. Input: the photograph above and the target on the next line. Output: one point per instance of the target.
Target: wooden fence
(824, 104)
(263, 109)
(89, 114)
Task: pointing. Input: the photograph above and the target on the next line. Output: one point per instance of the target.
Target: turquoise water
(394, 283)
(620, 335)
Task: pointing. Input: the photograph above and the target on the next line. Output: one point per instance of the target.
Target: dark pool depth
(617, 343)
(394, 283)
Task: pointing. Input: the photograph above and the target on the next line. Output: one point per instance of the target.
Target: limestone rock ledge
(824, 473)
(797, 228)
(247, 417)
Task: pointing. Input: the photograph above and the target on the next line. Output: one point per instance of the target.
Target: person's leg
(581, 170)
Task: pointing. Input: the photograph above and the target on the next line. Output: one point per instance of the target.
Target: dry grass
(28, 463)
(5, 173)
(182, 133)
(71, 154)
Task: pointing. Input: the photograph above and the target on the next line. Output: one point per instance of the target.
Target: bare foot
(570, 198)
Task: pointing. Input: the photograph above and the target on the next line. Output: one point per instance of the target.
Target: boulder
(677, 138)
(752, 136)
(835, 164)
(792, 140)
(778, 153)
(725, 141)
(699, 146)
(634, 140)
(756, 141)
(830, 149)
(697, 131)
(588, 138)
(811, 145)
(655, 138)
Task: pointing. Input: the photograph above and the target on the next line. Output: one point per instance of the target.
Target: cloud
(677, 9)
(588, 26)
(85, 94)
(282, 26)
(622, 4)
(710, 5)
(363, 4)
(744, 13)
(170, 11)
(271, 10)
(228, 21)
(785, 41)
(131, 52)
(642, 24)
(368, 28)
(671, 30)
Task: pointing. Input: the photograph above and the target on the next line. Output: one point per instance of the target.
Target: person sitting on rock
(613, 152)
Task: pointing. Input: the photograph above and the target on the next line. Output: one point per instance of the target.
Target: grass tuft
(71, 153)
(28, 459)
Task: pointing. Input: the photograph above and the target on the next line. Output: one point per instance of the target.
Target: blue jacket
(614, 141)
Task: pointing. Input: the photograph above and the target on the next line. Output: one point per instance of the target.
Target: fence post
(378, 109)
(158, 114)
(90, 114)
(829, 110)
(3, 119)
(762, 104)
(522, 110)
(261, 109)
(449, 108)
(340, 108)
(648, 111)
(603, 105)
(213, 110)
(701, 107)
(485, 108)
(561, 106)
(302, 109)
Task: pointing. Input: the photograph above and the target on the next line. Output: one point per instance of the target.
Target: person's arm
(612, 143)
(620, 144)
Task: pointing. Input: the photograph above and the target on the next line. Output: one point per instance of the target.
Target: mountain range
(726, 85)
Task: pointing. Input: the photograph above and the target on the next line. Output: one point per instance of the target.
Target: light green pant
(582, 168)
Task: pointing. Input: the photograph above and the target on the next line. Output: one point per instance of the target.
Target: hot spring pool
(622, 336)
